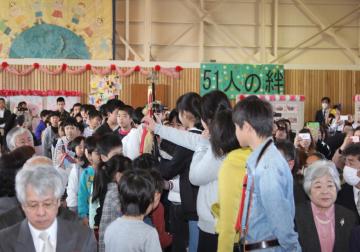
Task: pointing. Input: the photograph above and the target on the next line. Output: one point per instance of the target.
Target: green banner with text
(234, 79)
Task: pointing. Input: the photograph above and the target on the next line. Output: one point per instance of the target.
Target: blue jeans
(193, 236)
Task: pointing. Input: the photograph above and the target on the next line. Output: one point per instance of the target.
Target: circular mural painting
(49, 41)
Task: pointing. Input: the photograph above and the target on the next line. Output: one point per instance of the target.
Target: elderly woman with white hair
(321, 224)
(17, 137)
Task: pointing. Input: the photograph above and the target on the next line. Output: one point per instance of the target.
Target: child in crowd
(77, 147)
(86, 181)
(124, 120)
(84, 110)
(113, 170)
(111, 125)
(50, 134)
(156, 216)
(75, 109)
(94, 121)
(137, 199)
(78, 118)
(42, 125)
(63, 157)
(109, 146)
(137, 116)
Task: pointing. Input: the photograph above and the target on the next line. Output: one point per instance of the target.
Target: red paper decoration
(168, 71)
(4, 64)
(157, 68)
(178, 68)
(8, 92)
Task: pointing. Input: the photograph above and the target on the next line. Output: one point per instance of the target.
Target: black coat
(346, 198)
(355, 240)
(7, 114)
(180, 165)
(345, 220)
(319, 116)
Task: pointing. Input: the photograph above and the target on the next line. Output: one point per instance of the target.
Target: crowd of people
(203, 177)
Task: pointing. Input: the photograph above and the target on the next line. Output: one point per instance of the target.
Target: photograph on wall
(56, 29)
(103, 88)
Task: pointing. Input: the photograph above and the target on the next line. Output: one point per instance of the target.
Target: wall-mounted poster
(103, 88)
(62, 29)
(234, 79)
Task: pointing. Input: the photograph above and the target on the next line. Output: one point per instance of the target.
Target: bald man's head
(38, 161)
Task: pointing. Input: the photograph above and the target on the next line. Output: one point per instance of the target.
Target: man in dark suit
(5, 114)
(323, 113)
(16, 215)
(39, 190)
(348, 196)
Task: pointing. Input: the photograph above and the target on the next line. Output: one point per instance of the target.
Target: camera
(157, 108)
(22, 109)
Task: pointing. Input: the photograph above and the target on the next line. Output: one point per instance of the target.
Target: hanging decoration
(173, 72)
(8, 92)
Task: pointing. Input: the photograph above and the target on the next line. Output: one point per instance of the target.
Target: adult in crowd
(10, 163)
(16, 214)
(323, 225)
(5, 114)
(305, 145)
(60, 104)
(39, 190)
(288, 151)
(350, 137)
(282, 132)
(335, 123)
(322, 114)
(269, 206)
(320, 144)
(349, 195)
(17, 137)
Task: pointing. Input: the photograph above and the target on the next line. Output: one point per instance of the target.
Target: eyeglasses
(47, 205)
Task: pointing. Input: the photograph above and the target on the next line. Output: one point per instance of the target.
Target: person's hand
(158, 117)
(347, 141)
(206, 134)
(297, 141)
(85, 221)
(350, 119)
(149, 123)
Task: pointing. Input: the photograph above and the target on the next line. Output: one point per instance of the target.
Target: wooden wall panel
(339, 85)
(40, 81)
